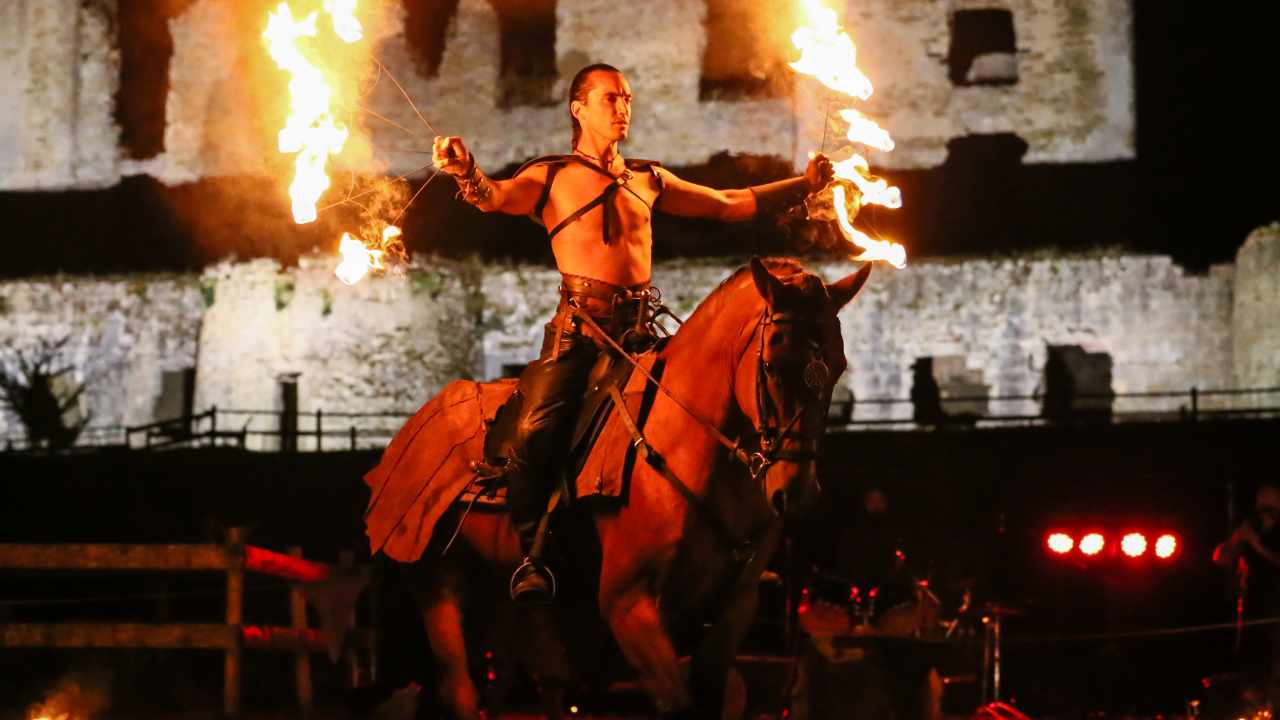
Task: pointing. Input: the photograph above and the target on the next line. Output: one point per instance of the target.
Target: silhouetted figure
(926, 398)
(1059, 387)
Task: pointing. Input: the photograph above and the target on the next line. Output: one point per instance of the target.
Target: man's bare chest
(584, 197)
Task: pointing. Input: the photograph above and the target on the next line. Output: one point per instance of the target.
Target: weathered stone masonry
(1071, 98)
(389, 344)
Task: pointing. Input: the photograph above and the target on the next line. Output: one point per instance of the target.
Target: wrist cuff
(780, 196)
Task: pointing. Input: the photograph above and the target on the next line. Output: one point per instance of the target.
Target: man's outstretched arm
(691, 200)
(517, 196)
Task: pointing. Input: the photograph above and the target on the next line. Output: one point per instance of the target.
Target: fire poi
(313, 133)
(828, 54)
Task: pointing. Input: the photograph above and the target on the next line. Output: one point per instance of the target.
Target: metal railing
(272, 430)
(1190, 405)
(320, 430)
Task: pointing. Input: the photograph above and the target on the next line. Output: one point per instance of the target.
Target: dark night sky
(1204, 177)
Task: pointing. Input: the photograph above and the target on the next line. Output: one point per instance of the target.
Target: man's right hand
(450, 155)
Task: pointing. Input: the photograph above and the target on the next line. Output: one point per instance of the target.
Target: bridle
(772, 434)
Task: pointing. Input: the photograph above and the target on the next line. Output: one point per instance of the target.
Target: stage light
(1061, 543)
(1133, 544)
(1091, 544)
(1166, 546)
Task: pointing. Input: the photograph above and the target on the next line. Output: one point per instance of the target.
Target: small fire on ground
(79, 695)
(829, 54)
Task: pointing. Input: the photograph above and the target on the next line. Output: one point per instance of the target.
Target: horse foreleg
(638, 628)
(714, 655)
(443, 618)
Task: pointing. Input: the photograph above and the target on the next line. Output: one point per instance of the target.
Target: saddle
(432, 462)
(610, 372)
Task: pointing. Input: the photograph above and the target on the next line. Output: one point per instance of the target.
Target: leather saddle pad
(597, 408)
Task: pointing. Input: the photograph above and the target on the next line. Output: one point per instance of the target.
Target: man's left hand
(820, 173)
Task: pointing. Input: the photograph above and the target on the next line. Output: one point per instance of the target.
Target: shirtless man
(598, 209)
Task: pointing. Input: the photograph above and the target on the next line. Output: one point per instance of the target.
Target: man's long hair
(578, 90)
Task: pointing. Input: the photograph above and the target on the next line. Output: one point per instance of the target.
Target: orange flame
(344, 24)
(872, 250)
(356, 260)
(829, 55)
(311, 130)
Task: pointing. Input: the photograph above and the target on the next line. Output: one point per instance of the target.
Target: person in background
(1253, 550)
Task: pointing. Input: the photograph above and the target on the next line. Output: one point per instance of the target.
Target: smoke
(80, 695)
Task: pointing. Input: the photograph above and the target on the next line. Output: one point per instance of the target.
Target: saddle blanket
(428, 464)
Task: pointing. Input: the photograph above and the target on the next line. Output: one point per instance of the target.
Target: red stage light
(1091, 544)
(1133, 544)
(1061, 543)
(1166, 546)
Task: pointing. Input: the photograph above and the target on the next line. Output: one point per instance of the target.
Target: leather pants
(548, 399)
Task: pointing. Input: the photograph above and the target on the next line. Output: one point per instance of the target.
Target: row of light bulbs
(1133, 544)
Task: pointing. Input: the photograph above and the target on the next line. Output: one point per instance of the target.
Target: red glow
(1133, 544)
(1166, 546)
(1061, 543)
(1091, 544)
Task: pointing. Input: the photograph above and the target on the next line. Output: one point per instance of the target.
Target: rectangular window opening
(146, 49)
(528, 40)
(426, 23)
(745, 55)
(1077, 385)
(983, 48)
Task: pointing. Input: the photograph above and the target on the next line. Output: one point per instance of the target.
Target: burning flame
(873, 250)
(346, 26)
(311, 130)
(357, 260)
(829, 55)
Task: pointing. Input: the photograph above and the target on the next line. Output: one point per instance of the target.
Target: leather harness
(555, 163)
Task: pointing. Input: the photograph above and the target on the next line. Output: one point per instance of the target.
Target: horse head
(786, 375)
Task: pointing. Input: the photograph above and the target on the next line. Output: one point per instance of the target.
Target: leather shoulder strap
(544, 160)
(553, 163)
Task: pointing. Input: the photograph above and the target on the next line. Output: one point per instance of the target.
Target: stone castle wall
(388, 344)
(59, 74)
(1256, 340)
(121, 333)
(59, 71)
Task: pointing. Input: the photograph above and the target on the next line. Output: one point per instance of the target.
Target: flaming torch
(828, 54)
(311, 131)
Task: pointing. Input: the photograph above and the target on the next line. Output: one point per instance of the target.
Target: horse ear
(842, 291)
(767, 283)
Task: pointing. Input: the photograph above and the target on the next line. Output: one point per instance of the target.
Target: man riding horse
(598, 209)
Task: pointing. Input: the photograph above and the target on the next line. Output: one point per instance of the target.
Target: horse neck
(702, 359)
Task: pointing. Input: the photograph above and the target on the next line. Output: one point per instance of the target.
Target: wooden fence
(234, 558)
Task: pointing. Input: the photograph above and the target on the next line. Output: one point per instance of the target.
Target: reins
(756, 463)
(735, 448)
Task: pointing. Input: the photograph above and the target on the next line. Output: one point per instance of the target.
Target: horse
(680, 559)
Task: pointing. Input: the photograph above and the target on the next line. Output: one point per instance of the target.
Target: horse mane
(790, 272)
